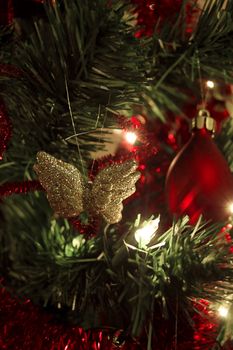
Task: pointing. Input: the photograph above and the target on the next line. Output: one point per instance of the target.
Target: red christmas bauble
(199, 181)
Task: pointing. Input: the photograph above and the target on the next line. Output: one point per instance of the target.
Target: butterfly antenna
(102, 126)
(73, 125)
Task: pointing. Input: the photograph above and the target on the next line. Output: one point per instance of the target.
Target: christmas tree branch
(74, 276)
(78, 68)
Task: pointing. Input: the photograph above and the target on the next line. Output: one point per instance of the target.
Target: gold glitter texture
(63, 183)
(111, 186)
(69, 195)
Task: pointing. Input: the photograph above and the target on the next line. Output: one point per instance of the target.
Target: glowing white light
(144, 234)
(210, 84)
(230, 207)
(152, 7)
(223, 311)
(77, 242)
(130, 137)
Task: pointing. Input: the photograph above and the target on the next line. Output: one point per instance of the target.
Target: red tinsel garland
(149, 12)
(26, 327)
(206, 329)
(5, 123)
(89, 230)
(5, 128)
(8, 70)
(20, 188)
(6, 12)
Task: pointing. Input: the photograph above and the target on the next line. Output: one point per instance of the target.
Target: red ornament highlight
(199, 181)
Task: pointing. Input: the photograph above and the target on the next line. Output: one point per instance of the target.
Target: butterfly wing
(111, 186)
(63, 183)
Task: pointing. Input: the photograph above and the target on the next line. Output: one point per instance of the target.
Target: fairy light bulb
(223, 311)
(130, 137)
(144, 234)
(152, 7)
(77, 242)
(230, 208)
(210, 84)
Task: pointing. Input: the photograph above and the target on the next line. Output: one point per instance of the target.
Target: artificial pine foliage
(70, 70)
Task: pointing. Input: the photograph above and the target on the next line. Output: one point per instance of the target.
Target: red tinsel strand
(122, 156)
(147, 146)
(6, 12)
(26, 327)
(5, 129)
(205, 326)
(89, 230)
(8, 70)
(5, 123)
(20, 188)
(149, 12)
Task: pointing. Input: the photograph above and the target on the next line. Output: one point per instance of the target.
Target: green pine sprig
(47, 261)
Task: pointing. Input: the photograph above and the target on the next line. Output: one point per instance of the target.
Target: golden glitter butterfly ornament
(69, 194)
